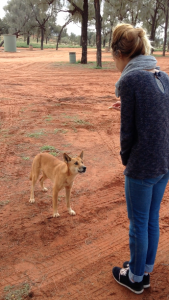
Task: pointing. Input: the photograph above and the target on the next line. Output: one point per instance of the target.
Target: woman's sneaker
(122, 277)
(146, 278)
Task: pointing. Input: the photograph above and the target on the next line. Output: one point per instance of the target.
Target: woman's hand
(116, 105)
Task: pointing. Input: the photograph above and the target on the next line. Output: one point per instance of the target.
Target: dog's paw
(44, 189)
(72, 212)
(56, 215)
(32, 200)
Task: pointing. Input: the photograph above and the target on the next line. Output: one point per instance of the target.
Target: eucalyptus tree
(3, 27)
(109, 20)
(117, 11)
(165, 9)
(80, 11)
(43, 11)
(61, 30)
(98, 32)
(19, 17)
(91, 37)
(151, 15)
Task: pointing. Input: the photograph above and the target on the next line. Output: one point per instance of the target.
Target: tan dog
(61, 173)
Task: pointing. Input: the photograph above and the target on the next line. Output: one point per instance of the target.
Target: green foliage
(36, 134)
(17, 292)
(3, 27)
(3, 203)
(47, 148)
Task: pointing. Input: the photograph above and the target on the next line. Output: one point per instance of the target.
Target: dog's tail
(30, 177)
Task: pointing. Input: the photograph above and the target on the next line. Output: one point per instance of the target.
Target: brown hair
(129, 41)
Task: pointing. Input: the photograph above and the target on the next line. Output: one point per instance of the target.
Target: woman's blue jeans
(143, 199)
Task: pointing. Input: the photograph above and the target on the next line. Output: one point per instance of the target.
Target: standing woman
(144, 138)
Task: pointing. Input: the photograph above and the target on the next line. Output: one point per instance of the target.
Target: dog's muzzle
(82, 170)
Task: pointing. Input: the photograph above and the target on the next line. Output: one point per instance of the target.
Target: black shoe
(146, 278)
(122, 277)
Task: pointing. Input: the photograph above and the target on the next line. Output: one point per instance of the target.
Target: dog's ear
(66, 157)
(81, 155)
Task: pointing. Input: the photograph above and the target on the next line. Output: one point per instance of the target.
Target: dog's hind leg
(70, 211)
(34, 177)
(42, 179)
(55, 202)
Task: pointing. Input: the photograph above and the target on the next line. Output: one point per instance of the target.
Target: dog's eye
(76, 163)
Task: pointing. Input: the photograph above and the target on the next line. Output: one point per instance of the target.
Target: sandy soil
(45, 101)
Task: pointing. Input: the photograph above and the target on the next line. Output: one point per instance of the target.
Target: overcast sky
(61, 19)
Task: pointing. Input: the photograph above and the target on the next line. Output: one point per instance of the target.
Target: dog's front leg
(55, 202)
(71, 211)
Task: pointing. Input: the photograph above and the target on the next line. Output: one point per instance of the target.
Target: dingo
(61, 173)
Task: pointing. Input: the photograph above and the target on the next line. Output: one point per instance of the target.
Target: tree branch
(76, 7)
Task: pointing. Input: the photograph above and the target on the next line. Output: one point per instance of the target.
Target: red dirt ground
(45, 101)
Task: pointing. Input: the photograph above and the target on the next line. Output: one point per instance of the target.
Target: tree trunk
(46, 40)
(98, 32)
(42, 37)
(110, 38)
(81, 37)
(104, 41)
(84, 32)
(1, 43)
(165, 31)
(60, 33)
(28, 40)
(153, 26)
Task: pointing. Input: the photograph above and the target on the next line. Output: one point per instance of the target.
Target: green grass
(57, 130)
(36, 134)
(52, 150)
(81, 122)
(20, 43)
(49, 118)
(25, 157)
(54, 153)
(76, 120)
(106, 65)
(47, 148)
(67, 145)
(17, 292)
(3, 203)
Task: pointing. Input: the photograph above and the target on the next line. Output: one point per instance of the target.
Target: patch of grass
(60, 198)
(57, 130)
(67, 116)
(75, 130)
(36, 134)
(47, 148)
(54, 153)
(25, 157)
(17, 292)
(48, 119)
(82, 122)
(158, 55)
(106, 65)
(3, 203)
(67, 145)
(97, 67)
